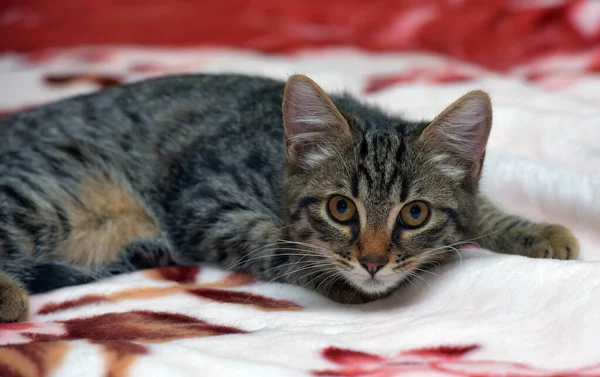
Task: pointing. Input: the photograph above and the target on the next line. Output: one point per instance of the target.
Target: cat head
(375, 201)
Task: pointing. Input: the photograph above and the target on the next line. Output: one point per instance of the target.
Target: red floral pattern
(438, 75)
(442, 361)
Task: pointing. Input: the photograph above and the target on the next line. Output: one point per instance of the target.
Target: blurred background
(493, 33)
(497, 35)
(539, 60)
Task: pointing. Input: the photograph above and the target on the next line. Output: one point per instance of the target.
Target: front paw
(14, 302)
(550, 241)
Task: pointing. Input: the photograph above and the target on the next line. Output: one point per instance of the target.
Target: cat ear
(313, 124)
(459, 135)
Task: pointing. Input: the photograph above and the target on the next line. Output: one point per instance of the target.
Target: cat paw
(550, 241)
(14, 301)
(148, 253)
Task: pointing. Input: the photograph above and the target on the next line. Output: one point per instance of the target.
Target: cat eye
(341, 209)
(414, 214)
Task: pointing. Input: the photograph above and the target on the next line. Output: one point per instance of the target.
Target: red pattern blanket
(158, 323)
(489, 315)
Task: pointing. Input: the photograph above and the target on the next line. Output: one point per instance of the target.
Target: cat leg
(140, 254)
(30, 228)
(46, 276)
(137, 255)
(14, 301)
(35, 277)
(510, 234)
(44, 246)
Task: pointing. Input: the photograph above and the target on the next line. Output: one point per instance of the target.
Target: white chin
(374, 286)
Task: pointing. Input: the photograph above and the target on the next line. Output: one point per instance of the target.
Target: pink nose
(373, 263)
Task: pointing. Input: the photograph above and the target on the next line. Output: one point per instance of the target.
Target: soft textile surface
(492, 33)
(486, 314)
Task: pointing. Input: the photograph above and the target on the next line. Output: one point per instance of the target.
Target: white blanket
(488, 313)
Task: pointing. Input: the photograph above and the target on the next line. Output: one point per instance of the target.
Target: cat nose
(373, 263)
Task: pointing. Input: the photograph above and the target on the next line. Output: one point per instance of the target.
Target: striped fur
(210, 168)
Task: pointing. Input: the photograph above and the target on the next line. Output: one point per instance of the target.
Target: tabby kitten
(327, 193)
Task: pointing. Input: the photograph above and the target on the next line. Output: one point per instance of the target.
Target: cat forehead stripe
(381, 153)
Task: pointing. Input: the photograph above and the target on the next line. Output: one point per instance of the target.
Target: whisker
(280, 276)
(448, 249)
(290, 272)
(337, 277)
(353, 294)
(325, 279)
(245, 259)
(275, 254)
(410, 276)
(405, 264)
(457, 253)
(261, 248)
(427, 271)
(331, 269)
(463, 241)
(304, 263)
(279, 242)
(421, 277)
(428, 252)
(305, 244)
(445, 250)
(321, 269)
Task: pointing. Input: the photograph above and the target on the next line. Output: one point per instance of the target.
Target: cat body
(323, 192)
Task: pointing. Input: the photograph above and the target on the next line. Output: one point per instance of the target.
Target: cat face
(373, 203)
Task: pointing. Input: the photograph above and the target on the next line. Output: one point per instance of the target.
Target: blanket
(485, 314)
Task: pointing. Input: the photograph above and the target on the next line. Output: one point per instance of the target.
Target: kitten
(323, 192)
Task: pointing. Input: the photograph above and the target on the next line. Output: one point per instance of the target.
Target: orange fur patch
(104, 218)
(374, 243)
